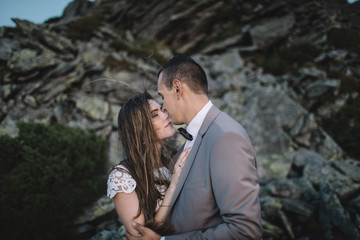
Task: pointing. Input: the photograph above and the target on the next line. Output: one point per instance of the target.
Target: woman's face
(160, 120)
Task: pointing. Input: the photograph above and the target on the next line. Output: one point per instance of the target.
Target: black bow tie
(185, 134)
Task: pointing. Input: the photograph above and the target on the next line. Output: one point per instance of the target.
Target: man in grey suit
(217, 196)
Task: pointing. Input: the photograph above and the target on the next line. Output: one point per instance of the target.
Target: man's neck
(194, 105)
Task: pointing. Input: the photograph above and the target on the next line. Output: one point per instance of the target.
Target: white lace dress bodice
(121, 181)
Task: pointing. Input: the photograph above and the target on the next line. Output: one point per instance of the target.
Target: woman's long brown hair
(142, 157)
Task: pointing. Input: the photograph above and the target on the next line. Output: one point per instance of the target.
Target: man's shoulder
(226, 121)
(224, 124)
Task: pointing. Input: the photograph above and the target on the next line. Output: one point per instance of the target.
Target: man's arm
(235, 184)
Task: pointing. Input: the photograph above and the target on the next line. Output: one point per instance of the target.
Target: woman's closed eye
(154, 113)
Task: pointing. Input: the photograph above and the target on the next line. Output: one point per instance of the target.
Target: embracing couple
(209, 189)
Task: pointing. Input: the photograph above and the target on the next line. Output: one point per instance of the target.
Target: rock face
(79, 69)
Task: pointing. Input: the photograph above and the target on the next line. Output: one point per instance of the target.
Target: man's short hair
(186, 70)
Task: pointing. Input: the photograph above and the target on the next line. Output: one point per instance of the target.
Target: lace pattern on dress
(120, 181)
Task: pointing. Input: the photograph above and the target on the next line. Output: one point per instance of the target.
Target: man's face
(170, 101)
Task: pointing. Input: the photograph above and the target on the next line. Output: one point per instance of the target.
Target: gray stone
(93, 106)
(319, 174)
(116, 151)
(323, 143)
(332, 214)
(225, 44)
(228, 62)
(73, 9)
(319, 88)
(345, 190)
(57, 86)
(7, 90)
(63, 68)
(287, 224)
(270, 230)
(6, 48)
(272, 29)
(8, 127)
(114, 114)
(312, 72)
(48, 38)
(63, 110)
(304, 157)
(27, 60)
(270, 207)
(274, 165)
(301, 209)
(347, 169)
(284, 188)
(100, 208)
(3, 109)
(31, 101)
(267, 80)
(337, 55)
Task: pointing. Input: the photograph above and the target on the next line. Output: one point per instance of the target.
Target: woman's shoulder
(119, 171)
(120, 167)
(120, 180)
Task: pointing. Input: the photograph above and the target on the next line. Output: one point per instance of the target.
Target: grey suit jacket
(217, 196)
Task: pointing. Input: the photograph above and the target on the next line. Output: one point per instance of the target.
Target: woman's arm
(127, 207)
(161, 214)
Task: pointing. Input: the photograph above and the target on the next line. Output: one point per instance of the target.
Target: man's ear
(177, 86)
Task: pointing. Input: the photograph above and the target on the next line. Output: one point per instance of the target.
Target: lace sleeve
(120, 181)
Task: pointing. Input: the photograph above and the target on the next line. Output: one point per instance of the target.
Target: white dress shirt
(195, 124)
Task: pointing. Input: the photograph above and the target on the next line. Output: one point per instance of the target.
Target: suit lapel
(212, 114)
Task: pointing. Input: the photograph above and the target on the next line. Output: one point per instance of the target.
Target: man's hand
(146, 233)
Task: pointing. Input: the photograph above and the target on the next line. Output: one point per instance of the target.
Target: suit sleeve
(236, 190)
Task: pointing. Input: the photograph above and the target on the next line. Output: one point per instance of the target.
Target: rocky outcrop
(316, 194)
(309, 180)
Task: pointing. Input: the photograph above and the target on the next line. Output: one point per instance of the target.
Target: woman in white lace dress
(141, 186)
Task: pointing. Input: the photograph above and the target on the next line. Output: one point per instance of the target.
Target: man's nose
(166, 114)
